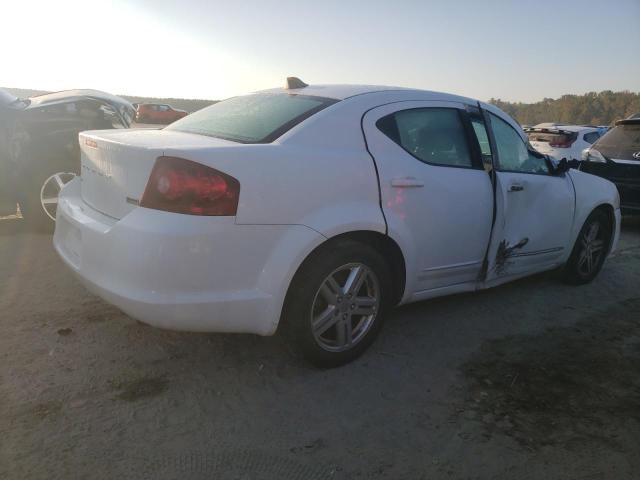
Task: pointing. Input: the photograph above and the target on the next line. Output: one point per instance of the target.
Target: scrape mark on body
(506, 251)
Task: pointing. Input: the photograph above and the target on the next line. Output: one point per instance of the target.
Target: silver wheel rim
(592, 249)
(345, 307)
(50, 191)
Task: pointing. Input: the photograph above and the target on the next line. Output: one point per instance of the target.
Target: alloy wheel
(345, 307)
(50, 191)
(593, 248)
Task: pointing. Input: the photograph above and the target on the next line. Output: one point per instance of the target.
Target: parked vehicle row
(613, 154)
(616, 157)
(39, 139)
(563, 141)
(158, 113)
(314, 209)
(39, 143)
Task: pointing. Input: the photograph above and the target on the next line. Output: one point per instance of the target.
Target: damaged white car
(314, 209)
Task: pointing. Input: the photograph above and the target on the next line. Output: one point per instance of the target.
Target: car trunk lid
(546, 140)
(116, 164)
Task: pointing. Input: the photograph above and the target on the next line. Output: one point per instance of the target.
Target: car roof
(73, 95)
(344, 92)
(562, 126)
(364, 98)
(337, 91)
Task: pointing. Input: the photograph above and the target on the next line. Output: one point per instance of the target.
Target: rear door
(436, 197)
(534, 208)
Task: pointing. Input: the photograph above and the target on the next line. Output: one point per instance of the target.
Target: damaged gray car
(39, 149)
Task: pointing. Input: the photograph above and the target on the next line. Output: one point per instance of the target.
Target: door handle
(406, 182)
(516, 187)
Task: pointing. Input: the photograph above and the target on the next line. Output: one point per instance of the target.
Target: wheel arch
(593, 193)
(383, 244)
(608, 209)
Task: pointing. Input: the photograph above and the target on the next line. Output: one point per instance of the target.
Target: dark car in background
(616, 157)
(39, 138)
(158, 113)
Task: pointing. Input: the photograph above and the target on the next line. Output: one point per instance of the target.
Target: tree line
(593, 108)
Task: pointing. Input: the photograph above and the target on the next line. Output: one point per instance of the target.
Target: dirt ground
(530, 380)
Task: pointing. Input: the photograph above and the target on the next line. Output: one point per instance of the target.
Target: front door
(436, 197)
(534, 207)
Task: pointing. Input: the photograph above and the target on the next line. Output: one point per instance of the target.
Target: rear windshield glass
(551, 137)
(620, 142)
(257, 118)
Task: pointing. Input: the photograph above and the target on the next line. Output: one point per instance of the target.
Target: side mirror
(584, 155)
(565, 165)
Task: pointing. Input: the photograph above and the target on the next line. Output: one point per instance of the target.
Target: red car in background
(158, 113)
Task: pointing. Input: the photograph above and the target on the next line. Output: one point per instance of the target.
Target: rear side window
(258, 118)
(110, 117)
(591, 137)
(432, 135)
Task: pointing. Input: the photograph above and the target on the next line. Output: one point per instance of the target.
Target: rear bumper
(182, 272)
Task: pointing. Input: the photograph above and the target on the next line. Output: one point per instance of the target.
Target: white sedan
(562, 141)
(314, 209)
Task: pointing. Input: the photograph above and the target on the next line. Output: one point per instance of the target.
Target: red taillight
(182, 186)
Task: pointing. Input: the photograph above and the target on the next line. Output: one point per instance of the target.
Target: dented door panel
(533, 224)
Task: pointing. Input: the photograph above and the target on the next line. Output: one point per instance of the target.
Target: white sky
(117, 48)
(515, 50)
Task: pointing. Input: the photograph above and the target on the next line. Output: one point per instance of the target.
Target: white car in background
(314, 209)
(563, 141)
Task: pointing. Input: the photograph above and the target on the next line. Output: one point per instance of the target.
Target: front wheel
(590, 249)
(337, 302)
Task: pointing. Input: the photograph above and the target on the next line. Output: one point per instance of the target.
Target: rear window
(620, 142)
(552, 137)
(257, 118)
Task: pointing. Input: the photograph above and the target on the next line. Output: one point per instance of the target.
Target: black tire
(341, 258)
(588, 254)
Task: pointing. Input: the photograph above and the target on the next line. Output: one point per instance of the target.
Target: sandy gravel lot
(534, 379)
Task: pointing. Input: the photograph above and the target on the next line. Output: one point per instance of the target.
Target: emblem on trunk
(636, 155)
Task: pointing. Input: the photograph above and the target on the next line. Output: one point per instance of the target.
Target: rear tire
(337, 302)
(590, 249)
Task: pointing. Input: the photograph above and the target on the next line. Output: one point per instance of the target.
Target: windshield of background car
(620, 142)
(257, 118)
